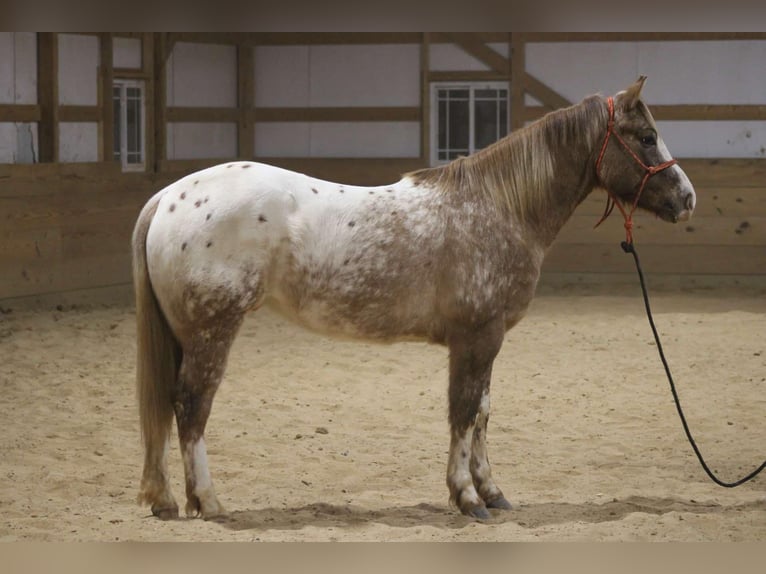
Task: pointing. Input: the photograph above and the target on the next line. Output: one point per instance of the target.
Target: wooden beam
(224, 38)
(518, 67)
(479, 50)
(702, 112)
(546, 95)
(641, 36)
(201, 114)
(686, 112)
(106, 124)
(47, 96)
(147, 67)
(466, 76)
(245, 100)
(312, 38)
(130, 74)
(160, 56)
(79, 113)
(22, 113)
(425, 99)
(353, 114)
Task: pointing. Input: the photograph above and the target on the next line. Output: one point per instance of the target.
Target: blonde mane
(517, 171)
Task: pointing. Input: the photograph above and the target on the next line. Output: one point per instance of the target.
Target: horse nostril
(689, 201)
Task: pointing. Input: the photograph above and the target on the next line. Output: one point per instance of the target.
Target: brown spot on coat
(183, 195)
(351, 223)
(246, 166)
(341, 190)
(183, 246)
(197, 203)
(209, 243)
(207, 217)
(196, 181)
(172, 207)
(314, 190)
(262, 218)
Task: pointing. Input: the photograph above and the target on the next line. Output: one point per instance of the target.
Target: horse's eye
(649, 140)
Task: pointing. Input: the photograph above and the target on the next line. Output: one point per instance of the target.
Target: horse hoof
(166, 513)
(499, 503)
(478, 512)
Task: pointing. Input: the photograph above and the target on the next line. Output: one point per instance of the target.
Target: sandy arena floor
(315, 439)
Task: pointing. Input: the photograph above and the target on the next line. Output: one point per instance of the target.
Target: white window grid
(129, 124)
(440, 92)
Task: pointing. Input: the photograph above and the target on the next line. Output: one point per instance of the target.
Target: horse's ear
(629, 98)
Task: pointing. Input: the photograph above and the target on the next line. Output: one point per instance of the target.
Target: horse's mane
(517, 171)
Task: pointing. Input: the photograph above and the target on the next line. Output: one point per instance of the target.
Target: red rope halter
(612, 200)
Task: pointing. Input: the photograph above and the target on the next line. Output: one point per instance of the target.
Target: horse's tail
(159, 353)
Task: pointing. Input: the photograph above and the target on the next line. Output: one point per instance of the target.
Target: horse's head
(635, 166)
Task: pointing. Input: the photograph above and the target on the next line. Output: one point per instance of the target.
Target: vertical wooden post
(160, 99)
(425, 99)
(245, 100)
(147, 67)
(47, 96)
(518, 73)
(106, 71)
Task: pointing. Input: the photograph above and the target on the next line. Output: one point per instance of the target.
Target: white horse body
(311, 249)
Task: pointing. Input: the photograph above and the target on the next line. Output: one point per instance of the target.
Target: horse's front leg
(480, 469)
(472, 352)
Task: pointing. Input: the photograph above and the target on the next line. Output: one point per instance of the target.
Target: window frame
(123, 84)
(472, 87)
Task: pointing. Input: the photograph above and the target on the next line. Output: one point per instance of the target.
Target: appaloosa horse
(448, 255)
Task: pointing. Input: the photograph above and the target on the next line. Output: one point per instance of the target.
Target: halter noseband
(612, 200)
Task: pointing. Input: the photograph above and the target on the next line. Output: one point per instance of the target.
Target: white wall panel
(78, 69)
(201, 140)
(202, 75)
(450, 57)
(126, 53)
(705, 72)
(282, 139)
(281, 76)
(7, 68)
(78, 141)
(730, 72)
(369, 75)
(714, 72)
(502, 48)
(18, 142)
(7, 139)
(365, 139)
(18, 68)
(714, 138)
(576, 70)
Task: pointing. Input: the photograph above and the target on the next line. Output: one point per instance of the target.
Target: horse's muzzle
(689, 203)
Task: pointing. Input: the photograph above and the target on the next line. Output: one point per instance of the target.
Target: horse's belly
(357, 315)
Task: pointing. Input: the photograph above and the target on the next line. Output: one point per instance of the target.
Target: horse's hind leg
(472, 352)
(200, 375)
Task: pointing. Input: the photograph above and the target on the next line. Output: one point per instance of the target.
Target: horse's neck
(569, 141)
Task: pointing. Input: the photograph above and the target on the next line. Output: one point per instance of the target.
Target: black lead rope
(629, 248)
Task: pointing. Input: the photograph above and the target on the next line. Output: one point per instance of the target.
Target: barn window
(128, 100)
(466, 117)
